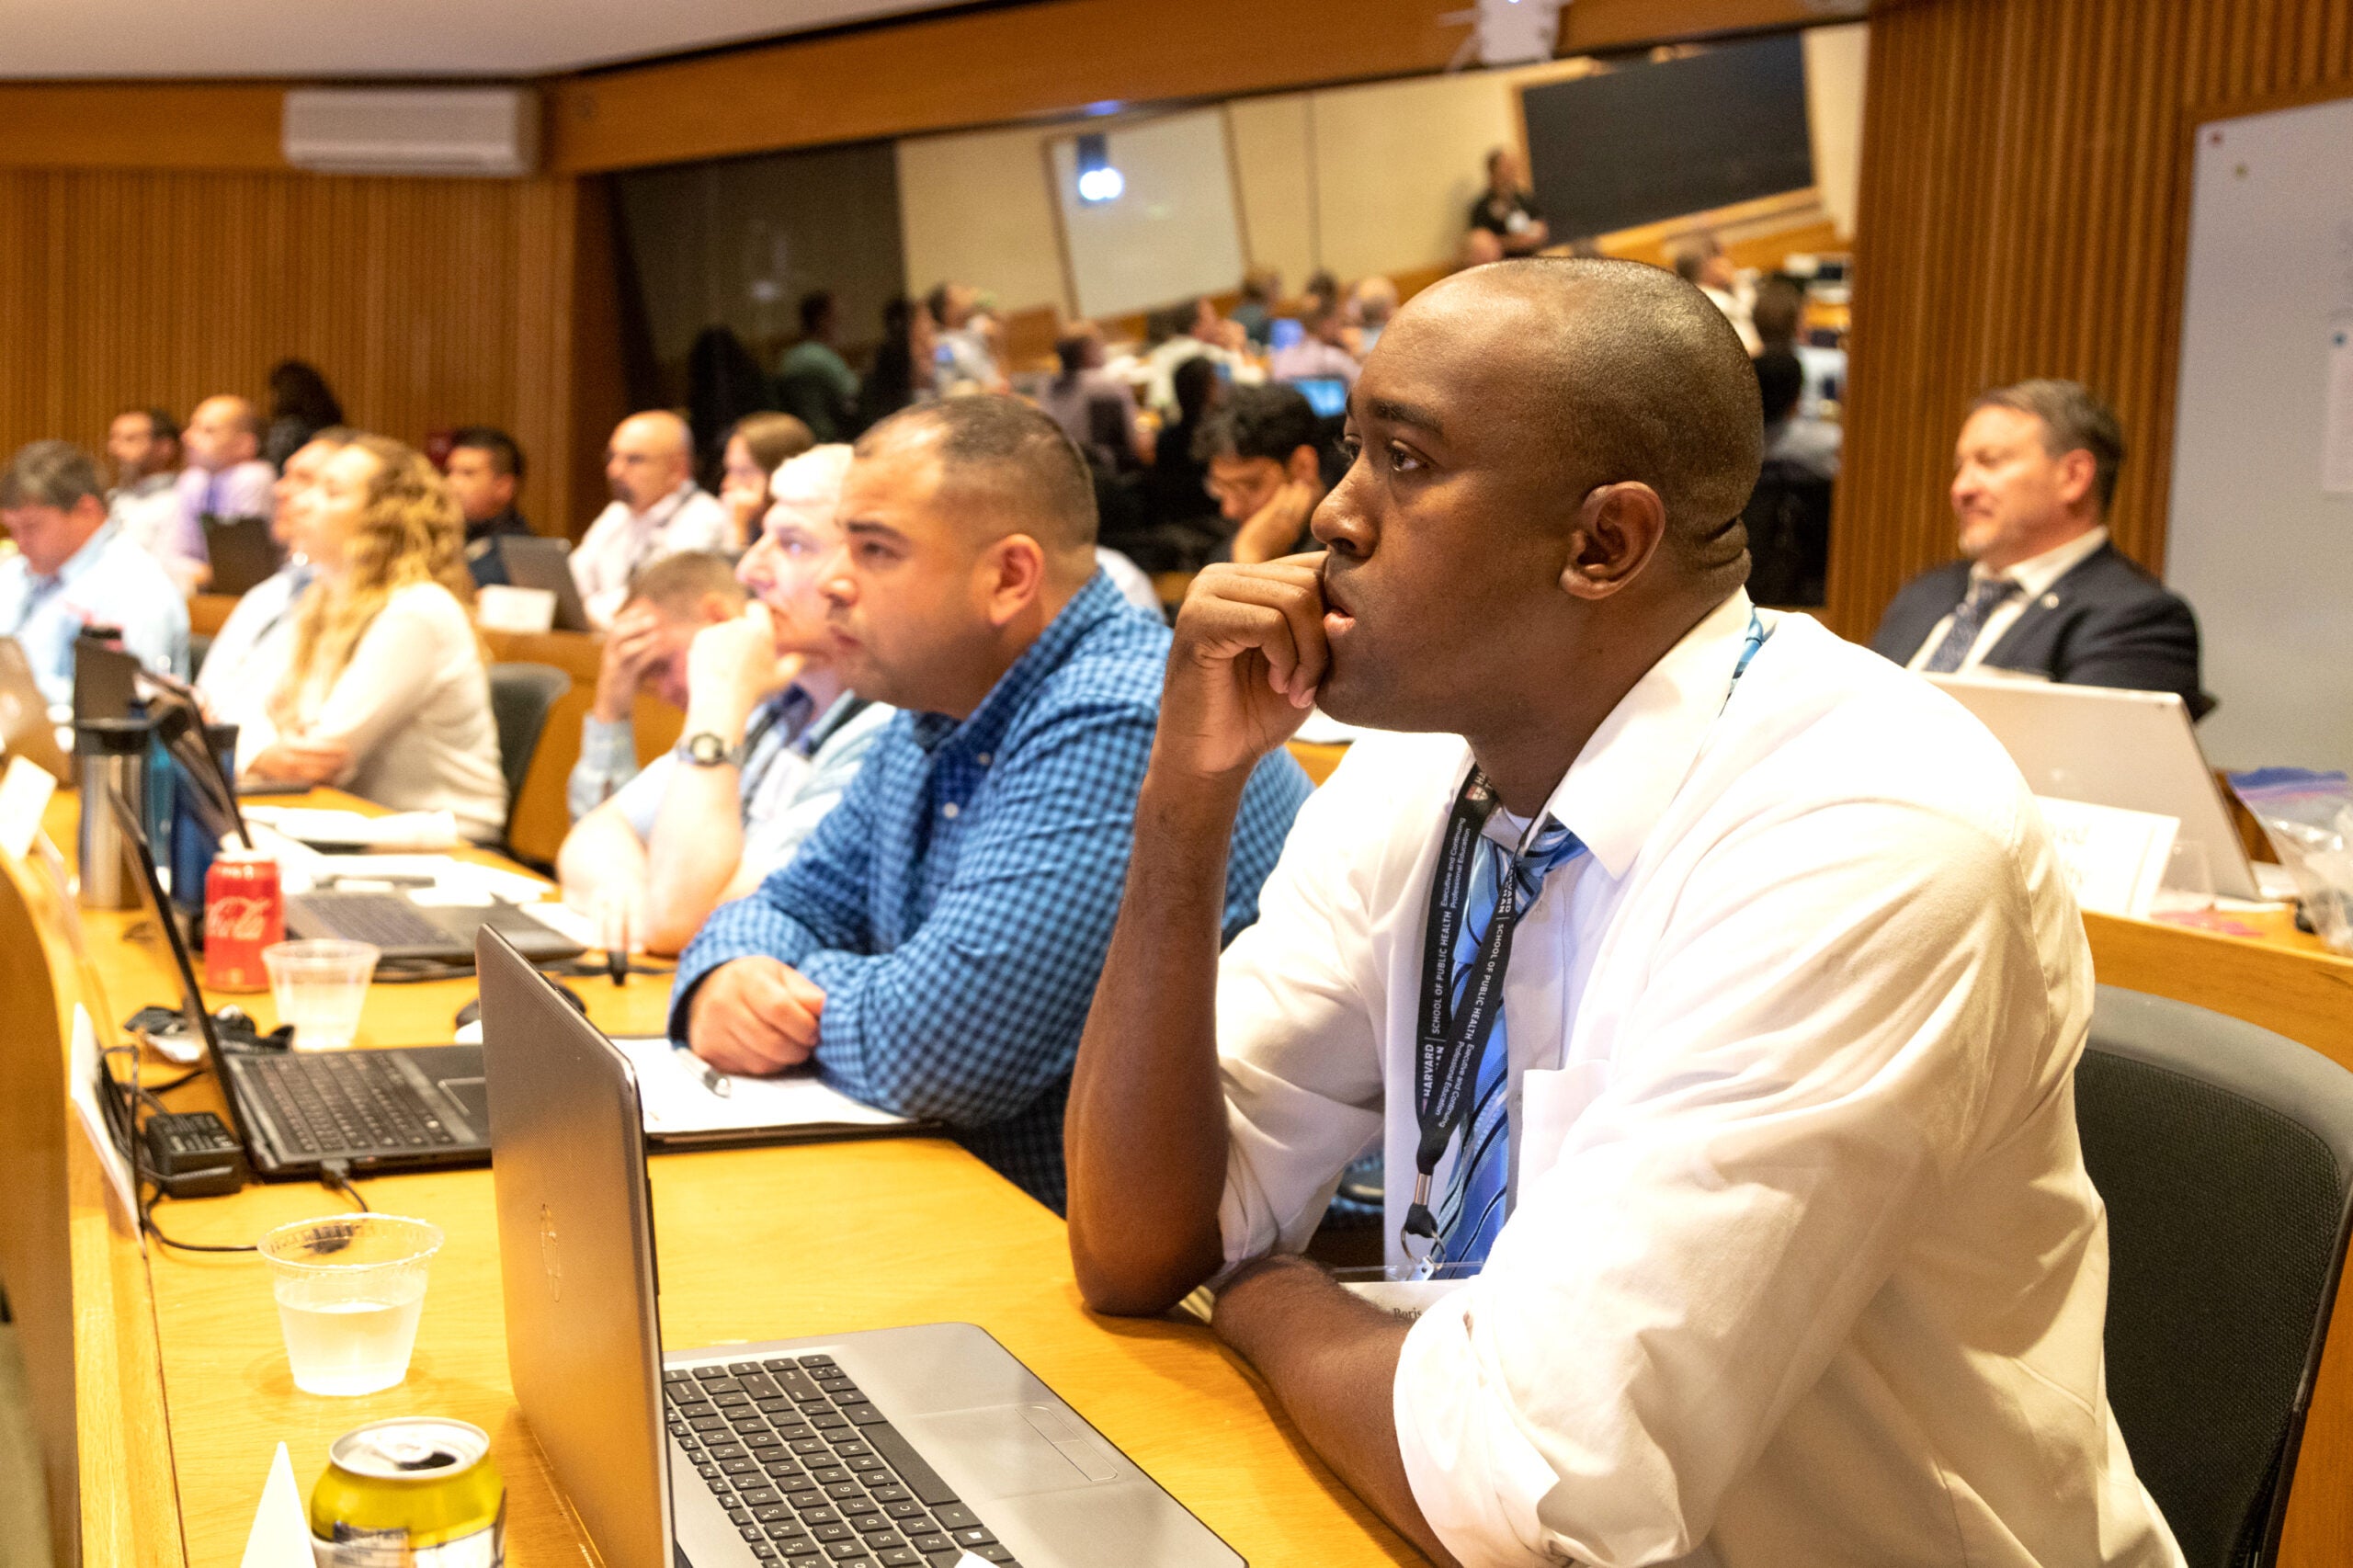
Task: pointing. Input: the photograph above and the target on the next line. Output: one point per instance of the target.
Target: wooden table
(754, 1245)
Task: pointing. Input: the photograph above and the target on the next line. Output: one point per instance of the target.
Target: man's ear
(1618, 530)
(1303, 467)
(2077, 469)
(1013, 573)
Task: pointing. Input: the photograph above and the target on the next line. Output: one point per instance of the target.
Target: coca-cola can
(242, 914)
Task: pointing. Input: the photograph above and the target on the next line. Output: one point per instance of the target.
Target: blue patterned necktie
(1968, 621)
(1471, 1210)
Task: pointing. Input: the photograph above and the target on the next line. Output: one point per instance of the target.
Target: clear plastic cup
(350, 1290)
(319, 986)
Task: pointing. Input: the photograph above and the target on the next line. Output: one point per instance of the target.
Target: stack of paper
(678, 1101)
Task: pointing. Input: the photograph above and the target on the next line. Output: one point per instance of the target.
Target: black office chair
(199, 643)
(2224, 1154)
(520, 696)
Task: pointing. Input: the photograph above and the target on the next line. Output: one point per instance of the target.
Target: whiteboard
(2260, 534)
(1171, 235)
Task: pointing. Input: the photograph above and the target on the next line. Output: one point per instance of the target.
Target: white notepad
(679, 1105)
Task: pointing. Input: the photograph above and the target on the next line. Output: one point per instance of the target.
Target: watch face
(707, 749)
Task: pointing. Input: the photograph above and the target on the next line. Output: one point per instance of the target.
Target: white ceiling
(117, 39)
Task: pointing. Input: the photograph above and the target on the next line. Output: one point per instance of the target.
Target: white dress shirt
(108, 582)
(2035, 577)
(148, 511)
(620, 540)
(249, 654)
(1802, 1266)
(414, 705)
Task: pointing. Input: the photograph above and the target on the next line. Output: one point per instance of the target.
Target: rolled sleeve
(1298, 1052)
(1803, 1075)
(608, 763)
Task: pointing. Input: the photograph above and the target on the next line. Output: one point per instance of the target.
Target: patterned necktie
(1472, 1212)
(1967, 622)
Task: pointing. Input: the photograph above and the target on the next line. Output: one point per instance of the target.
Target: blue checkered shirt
(956, 906)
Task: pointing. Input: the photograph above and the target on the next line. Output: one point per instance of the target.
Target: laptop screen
(159, 905)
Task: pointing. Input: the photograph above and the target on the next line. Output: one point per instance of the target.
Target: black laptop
(406, 1109)
(536, 561)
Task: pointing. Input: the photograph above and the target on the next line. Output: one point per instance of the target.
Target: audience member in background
(1321, 353)
(1701, 262)
(1178, 483)
(901, 374)
(813, 382)
(657, 508)
(724, 386)
(1262, 445)
(1373, 303)
(1777, 313)
(224, 477)
(1189, 331)
(1751, 1222)
(1262, 291)
(1507, 210)
(384, 692)
(754, 449)
(74, 567)
(1097, 411)
(1809, 445)
(483, 471)
(300, 405)
(646, 655)
(962, 361)
(143, 444)
(249, 654)
(772, 736)
(2042, 590)
(934, 946)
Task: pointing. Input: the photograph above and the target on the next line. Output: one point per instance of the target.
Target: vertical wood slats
(426, 303)
(2024, 193)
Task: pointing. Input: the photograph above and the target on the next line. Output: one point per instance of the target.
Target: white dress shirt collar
(2037, 574)
(661, 511)
(1614, 792)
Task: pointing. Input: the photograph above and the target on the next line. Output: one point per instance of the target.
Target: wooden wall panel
(427, 303)
(2024, 198)
(1055, 57)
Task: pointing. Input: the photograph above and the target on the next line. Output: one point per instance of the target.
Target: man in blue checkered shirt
(935, 944)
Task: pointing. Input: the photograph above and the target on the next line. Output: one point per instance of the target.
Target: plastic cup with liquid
(349, 1289)
(319, 986)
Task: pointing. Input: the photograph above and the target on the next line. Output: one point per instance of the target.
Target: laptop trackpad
(1013, 1450)
(472, 1097)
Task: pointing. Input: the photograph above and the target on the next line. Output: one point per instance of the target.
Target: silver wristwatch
(704, 749)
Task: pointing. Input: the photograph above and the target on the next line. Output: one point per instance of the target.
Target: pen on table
(718, 1083)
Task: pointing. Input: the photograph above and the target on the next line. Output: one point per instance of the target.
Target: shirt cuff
(1475, 1478)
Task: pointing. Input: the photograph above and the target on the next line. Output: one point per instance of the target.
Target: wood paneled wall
(2024, 196)
(427, 303)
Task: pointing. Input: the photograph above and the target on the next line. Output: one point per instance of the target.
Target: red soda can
(242, 914)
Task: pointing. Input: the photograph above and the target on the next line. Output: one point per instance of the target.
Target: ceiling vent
(482, 131)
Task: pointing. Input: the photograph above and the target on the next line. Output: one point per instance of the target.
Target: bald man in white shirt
(1709, 984)
(657, 509)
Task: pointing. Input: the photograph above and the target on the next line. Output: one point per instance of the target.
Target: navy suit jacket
(2106, 623)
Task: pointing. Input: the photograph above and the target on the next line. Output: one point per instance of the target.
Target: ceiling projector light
(1097, 181)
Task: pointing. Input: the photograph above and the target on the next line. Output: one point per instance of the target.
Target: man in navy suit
(2042, 591)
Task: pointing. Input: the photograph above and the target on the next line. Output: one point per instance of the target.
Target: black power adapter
(193, 1155)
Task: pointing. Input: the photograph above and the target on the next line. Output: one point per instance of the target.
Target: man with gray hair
(657, 510)
(2042, 589)
(74, 568)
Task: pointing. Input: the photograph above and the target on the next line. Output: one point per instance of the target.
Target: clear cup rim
(423, 1255)
(321, 947)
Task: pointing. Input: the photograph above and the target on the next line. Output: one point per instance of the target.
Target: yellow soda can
(416, 1492)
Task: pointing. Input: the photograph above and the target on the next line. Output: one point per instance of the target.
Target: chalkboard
(1644, 141)
(2261, 514)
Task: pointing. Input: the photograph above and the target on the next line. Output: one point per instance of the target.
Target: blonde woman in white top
(386, 694)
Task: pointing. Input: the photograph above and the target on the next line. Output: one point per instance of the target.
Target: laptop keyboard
(813, 1475)
(333, 1101)
(386, 919)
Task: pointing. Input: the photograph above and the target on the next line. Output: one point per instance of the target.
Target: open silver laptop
(2106, 747)
(884, 1449)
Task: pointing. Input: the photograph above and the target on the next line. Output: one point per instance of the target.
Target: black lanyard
(1451, 1038)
